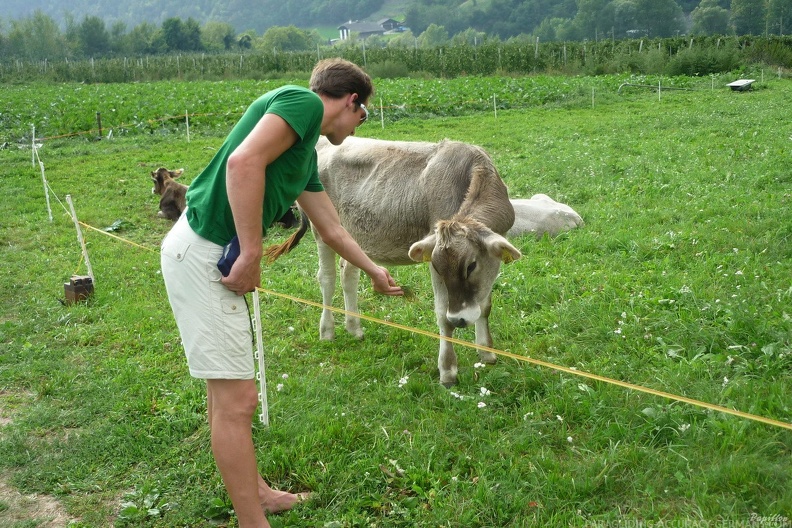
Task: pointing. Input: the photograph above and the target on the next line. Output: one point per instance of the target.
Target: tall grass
(679, 281)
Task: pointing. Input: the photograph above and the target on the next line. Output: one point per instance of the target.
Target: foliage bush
(703, 61)
(773, 51)
(388, 70)
(647, 56)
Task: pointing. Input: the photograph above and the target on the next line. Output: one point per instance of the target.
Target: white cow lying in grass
(541, 214)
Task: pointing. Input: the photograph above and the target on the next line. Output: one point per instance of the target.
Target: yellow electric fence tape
(538, 362)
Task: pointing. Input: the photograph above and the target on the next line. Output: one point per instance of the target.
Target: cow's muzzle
(459, 322)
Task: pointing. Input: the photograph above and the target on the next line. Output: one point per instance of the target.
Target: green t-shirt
(295, 171)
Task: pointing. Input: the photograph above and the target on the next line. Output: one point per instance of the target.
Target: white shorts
(213, 321)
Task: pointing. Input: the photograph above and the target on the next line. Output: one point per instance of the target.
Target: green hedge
(688, 55)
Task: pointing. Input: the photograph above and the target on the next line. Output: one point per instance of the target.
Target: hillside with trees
(549, 19)
(213, 27)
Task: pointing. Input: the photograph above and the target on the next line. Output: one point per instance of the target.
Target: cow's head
(161, 176)
(466, 256)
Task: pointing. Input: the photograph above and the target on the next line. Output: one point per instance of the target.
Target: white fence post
(80, 238)
(46, 190)
(261, 375)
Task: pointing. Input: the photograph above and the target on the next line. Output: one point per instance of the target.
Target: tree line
(577, 20)
(39, 36)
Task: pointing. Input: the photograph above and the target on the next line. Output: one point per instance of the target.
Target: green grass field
(679, 282)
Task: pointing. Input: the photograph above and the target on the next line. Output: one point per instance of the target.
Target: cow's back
(390, 194)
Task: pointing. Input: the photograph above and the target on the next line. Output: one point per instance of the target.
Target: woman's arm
(245, 171)
(320, 210)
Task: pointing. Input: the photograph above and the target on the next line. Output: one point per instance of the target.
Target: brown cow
(406, 202)
(173, 201)
(172, 193)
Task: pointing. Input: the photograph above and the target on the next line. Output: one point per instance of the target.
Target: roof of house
(362, 27)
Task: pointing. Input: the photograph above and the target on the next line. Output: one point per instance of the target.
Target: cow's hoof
(355, 331)
(448, 384)
(488, 357)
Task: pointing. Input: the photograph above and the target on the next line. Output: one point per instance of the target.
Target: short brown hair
(338, 77)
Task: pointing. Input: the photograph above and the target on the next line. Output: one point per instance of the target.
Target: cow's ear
(421, 251)
(176, 173)
(500, 248)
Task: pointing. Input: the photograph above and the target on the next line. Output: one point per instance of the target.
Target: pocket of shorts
(175, 250)
(234, 306)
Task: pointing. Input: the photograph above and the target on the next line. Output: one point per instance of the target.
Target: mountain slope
(242, 14)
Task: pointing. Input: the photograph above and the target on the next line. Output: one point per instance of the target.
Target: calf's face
(466, 257)
(161, 177)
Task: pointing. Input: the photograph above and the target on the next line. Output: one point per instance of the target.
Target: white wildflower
(684, 427)
(481, 405)
(479, 365)
(279, 387)
(725, 381)
(285, 376)
(569, 439)
(729, 360)
(559, 418)
(485, 391)
(395, 464)
(403, 381)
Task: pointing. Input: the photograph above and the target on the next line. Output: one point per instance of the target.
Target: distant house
(366, 29)
(388, 24)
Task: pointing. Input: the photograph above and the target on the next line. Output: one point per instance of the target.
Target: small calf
(172, 201)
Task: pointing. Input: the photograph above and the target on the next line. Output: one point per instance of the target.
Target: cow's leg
(446, 359)
(483, 336)
(327, 281)
(350, 279)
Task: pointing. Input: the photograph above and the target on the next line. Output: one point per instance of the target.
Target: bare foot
(278, 501)
(274, 501)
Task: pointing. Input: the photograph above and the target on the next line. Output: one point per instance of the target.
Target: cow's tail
(273, 252)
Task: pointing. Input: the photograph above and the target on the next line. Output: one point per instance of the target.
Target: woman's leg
(231, 404)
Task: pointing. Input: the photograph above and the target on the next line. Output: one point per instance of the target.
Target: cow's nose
(458, 322)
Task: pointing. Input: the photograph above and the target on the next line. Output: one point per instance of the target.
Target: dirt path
(15, 508)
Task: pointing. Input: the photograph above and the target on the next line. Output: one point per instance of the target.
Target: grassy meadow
(680, 281)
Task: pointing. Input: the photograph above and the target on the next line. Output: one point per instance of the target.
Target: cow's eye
(470, 268)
